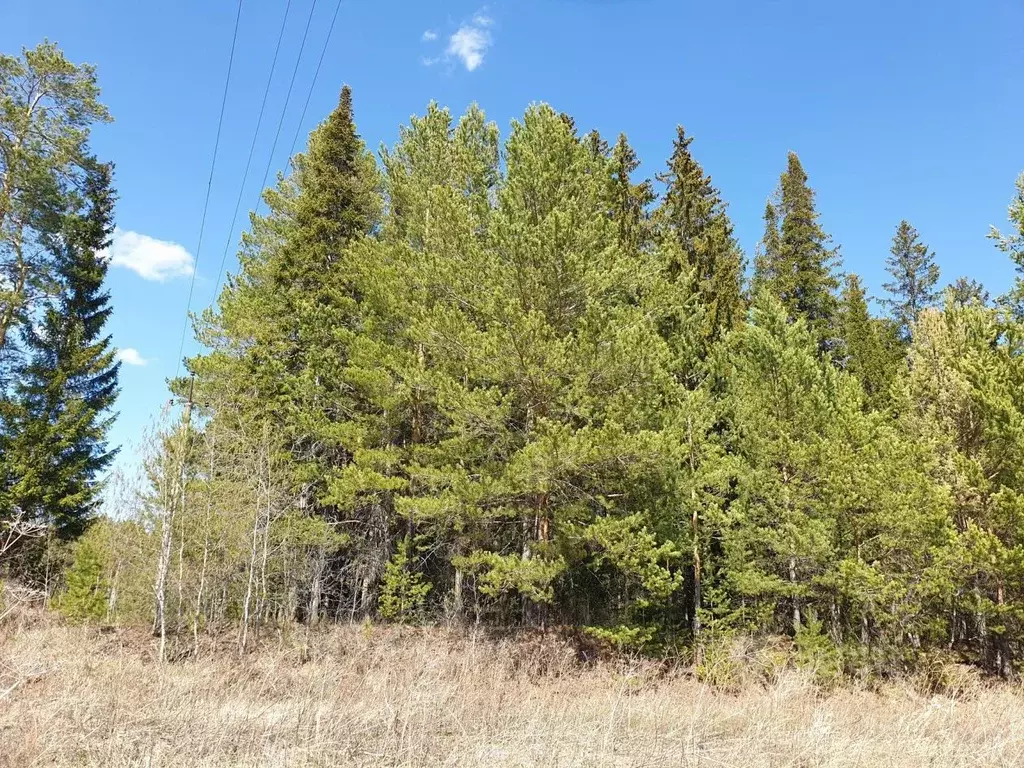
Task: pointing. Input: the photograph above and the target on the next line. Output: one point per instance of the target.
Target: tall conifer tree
(61, 411)
(915, 275)
(797, 262)
(629, 201)
(693, 216)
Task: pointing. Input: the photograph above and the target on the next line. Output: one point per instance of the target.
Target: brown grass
(373, 696)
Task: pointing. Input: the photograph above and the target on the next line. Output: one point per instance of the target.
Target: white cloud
(148, 257)
(429, 36)
(130, 356)
(471, 41)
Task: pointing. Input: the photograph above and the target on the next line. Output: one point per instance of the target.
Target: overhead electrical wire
(252, 149)
(284, 109)
(316, 74)
(209, 186)
(273, 148)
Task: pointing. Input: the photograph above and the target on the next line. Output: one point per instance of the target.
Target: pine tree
(86, 587)
(965, 387)
(287, 318)
(915, 275)
(47, 107)
(782, 402)
(693, 216)
(61, 413)
(797, 263)
(768, 266)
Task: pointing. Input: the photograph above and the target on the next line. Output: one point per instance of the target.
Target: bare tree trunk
(695, 532)
(163, 561)
(249, 582)
(163, 564)
(457, 606)
(316, 588)
(796, 602)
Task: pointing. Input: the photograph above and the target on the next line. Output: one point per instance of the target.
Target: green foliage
(624, 637)
(915, 275)
(964, 291)
(86, 587)
(500, 574)
(47, 106)
(58, 378)
(869, 347)
(817, 653)
(404, 590)
(797, 263)
(692, 217)
(502, 381)
(59, 415)
(1013, 246)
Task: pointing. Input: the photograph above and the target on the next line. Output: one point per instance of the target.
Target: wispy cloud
(148, 257)
(130, 356)
(429, 36)
(471, 41)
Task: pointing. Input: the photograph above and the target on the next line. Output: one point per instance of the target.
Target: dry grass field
(371, 696)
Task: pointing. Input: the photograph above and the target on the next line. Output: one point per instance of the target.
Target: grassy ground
(358, 696)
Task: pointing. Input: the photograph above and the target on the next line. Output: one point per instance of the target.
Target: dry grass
(355, 696)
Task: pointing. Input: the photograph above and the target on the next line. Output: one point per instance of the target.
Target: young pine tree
(915, 275)
(61, 412)
(86, 586)
(797, 262)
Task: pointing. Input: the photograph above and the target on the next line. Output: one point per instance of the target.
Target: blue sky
(897, 109)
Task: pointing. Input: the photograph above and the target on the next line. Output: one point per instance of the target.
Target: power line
(284, 110)
(252, 148)
(209, 186)
(316, 74)
(277, 136)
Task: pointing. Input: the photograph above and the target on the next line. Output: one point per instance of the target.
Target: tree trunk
(796, 601)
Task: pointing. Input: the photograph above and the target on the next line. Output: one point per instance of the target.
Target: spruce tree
(693, 216)
(797, 262)
(1013, 246)
(965, 290)
(61, 411)
(280, 342)
(629, 201)
(915, 275)
(869, 348)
